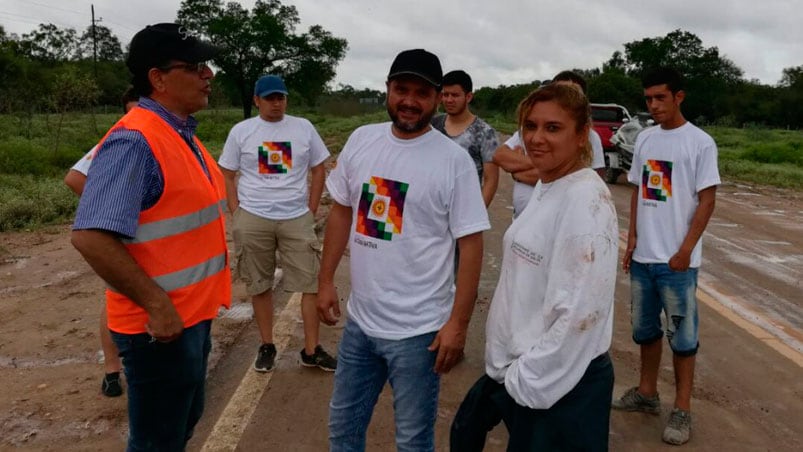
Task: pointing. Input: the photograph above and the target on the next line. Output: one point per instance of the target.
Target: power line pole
(95, 43)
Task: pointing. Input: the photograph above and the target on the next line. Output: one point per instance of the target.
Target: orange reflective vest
(181, 240)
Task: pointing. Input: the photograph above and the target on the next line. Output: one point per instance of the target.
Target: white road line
(761, 329)
(235, 417)
(717, 301)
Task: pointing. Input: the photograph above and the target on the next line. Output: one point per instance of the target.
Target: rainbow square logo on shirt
(656, 180)
(275, 157)
(381, 208)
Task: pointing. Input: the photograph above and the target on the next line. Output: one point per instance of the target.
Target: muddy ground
(50, 301)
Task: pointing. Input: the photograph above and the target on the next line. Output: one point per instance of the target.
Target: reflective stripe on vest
(172, 226)
(191, 275)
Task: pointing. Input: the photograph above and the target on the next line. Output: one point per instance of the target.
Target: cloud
(505, 42)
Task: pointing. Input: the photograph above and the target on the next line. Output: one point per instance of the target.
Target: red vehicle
(607, 119)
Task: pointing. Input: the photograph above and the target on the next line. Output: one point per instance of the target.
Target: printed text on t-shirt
(528, 255)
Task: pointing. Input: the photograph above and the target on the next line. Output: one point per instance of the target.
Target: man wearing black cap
(397, 206)
(150, 224)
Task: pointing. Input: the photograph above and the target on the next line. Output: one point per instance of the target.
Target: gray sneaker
(265, 358)
(678, 429)
(632, 400)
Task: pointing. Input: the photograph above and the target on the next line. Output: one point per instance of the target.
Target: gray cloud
(504, 42)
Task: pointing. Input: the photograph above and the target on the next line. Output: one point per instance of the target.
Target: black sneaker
(110, 386)
(319, 359)
(265, 358)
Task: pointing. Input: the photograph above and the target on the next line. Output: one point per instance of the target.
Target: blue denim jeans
(364, 364)
(165, 386)
(656, 287)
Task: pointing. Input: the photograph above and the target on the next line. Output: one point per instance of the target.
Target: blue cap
(269, 84)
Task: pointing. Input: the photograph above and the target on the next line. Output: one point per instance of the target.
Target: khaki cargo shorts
(256, 241)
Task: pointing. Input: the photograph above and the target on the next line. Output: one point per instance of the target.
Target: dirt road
(749, 384)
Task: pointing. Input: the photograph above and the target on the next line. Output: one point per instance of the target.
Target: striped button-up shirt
(125, 177)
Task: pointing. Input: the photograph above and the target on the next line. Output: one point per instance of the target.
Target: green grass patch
(760, 156)
(35, 155)
(31, 201)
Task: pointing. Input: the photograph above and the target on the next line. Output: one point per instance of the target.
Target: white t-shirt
(273, 159)
(670, 167)
(597, 154)
(82, 166)
(522, 191)
(411, 200)
(552, 311)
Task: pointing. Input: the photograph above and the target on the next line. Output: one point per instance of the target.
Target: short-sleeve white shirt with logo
(407, 214)
(82, 166)
(273, 159)
(670, 167)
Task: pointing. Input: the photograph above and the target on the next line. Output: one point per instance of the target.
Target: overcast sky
(497, 42)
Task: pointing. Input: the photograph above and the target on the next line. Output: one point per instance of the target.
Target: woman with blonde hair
(548, 373)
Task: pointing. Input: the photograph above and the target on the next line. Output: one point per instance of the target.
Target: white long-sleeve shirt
(552, 311)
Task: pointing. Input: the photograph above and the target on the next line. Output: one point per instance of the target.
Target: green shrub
(28, 201)
(21, 156)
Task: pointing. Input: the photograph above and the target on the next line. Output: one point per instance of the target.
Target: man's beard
(408, 126)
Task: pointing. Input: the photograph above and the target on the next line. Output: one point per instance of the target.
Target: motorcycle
(619, 159)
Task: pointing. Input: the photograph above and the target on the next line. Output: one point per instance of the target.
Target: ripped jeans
(656, 287)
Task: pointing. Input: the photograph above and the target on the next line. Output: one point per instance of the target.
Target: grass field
(35, 155)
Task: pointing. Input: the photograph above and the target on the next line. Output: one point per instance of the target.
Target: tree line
(54, 69)
(718, 93)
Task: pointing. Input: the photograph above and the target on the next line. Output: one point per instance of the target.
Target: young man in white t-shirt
(273, 210)
(510, 156)
(403, 194)
(675, 176)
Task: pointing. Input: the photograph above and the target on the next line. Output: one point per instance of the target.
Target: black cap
(417, 62)
(155, 45)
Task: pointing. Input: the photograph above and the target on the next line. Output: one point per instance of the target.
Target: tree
(262, 41)
(503, 99)
(791, 97)
(51, 44)
(709, 75)
(109, 48)
(679, 49)
(614, 86)
(792, 76)
(72, 90)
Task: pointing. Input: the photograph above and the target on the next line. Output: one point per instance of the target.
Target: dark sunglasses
(197, 68)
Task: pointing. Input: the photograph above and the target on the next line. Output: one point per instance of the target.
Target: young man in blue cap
(150, 223)
(273, 209)
(398, 206)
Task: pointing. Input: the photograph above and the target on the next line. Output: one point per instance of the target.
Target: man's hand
(164, 324)
(680, 261)
(628, 258)
(449, 342)
(328, 306)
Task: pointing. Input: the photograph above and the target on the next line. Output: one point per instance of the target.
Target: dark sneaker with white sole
(110, 386)
(265, 358)
(319, 359)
